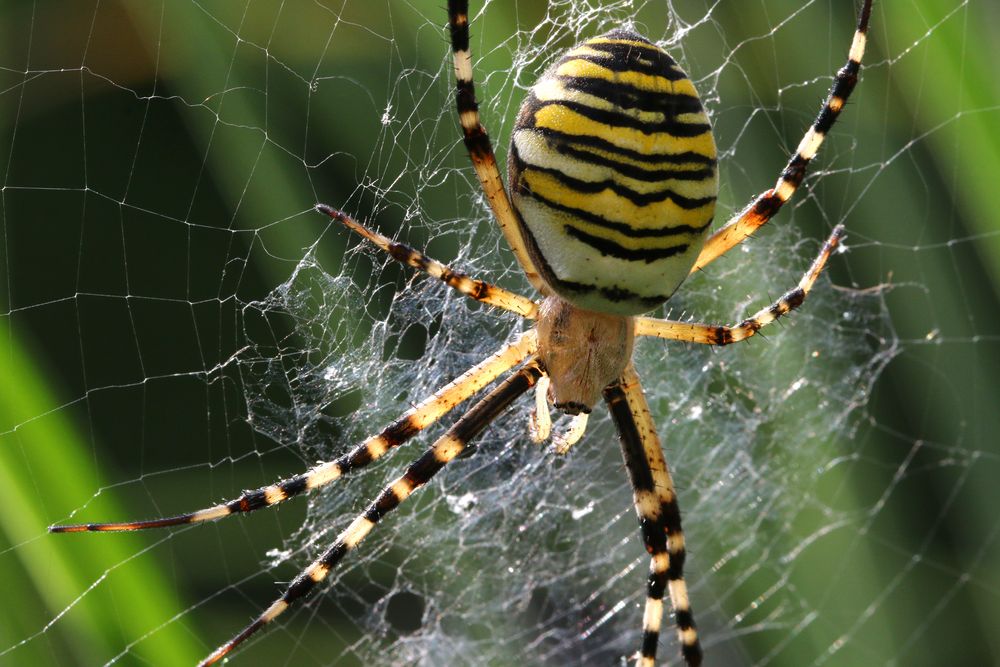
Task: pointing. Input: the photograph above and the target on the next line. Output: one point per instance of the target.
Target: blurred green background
(158, 163)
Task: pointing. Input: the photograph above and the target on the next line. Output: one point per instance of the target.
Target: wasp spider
(613, 179)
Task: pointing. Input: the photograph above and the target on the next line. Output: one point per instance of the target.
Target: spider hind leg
(659, 518)
(769, 202)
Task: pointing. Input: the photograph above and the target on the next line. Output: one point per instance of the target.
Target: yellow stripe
(652, 616)
(274, 610)
(559, 118)
(647, 166)
(652, 83)
(356, 532)
(613, 207)
(535, 151)
(554, 90)
(322, 474)
(591, 70)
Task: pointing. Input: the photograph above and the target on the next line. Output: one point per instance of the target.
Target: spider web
(179, 325)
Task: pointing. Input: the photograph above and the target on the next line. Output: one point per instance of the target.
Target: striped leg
(659, 517)
(710, 334)
(477, 141)
(415, 420)
(767, 204)
(470, 287)
(417, 474)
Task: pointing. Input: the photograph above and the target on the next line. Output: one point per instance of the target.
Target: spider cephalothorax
(582, 352)
(614, 180)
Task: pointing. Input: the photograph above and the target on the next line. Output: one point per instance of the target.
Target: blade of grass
(93, 596)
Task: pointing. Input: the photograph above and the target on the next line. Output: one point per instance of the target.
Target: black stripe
(477, 142)
(650, 642)
(692, 654)
(795, 170)
(465, 95)
(459, 33)
(723, 335)
(632, 171)
(400, 431)
(825, 119)
(684, 619)
(633, 451)
(843, 86)
(637, 198)
(334, 554)
(794, 297)
(622, 228)
(387, 500)
(767, 205)
(633, 58)
(248, 502)
(293, 486)
(356, 458)
(299, 588)
(614, 119)
(656, 584)
(676, 569)
(623, 61)
(614, 293)
(847, 78)
(866, 12)
(555, 137)
(629, 97)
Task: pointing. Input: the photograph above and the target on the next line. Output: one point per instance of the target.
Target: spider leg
(659, 517)
(470, 287)
(540, 421)
(444, 450)
(477, 141)
(415, 420)
(711, 334)
(564, 441)
(767, 204)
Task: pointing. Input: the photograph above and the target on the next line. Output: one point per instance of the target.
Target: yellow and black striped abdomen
(613, 172)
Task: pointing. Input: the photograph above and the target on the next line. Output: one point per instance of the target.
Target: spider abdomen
(613, 171)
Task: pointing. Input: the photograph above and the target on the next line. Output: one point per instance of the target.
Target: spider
(613, 180)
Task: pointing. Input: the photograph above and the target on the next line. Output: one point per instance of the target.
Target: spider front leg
(767, 204)
(659, 517)
(710, 334)
(470, 287)
(422, 415)
(443, 451)
(477, 142)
